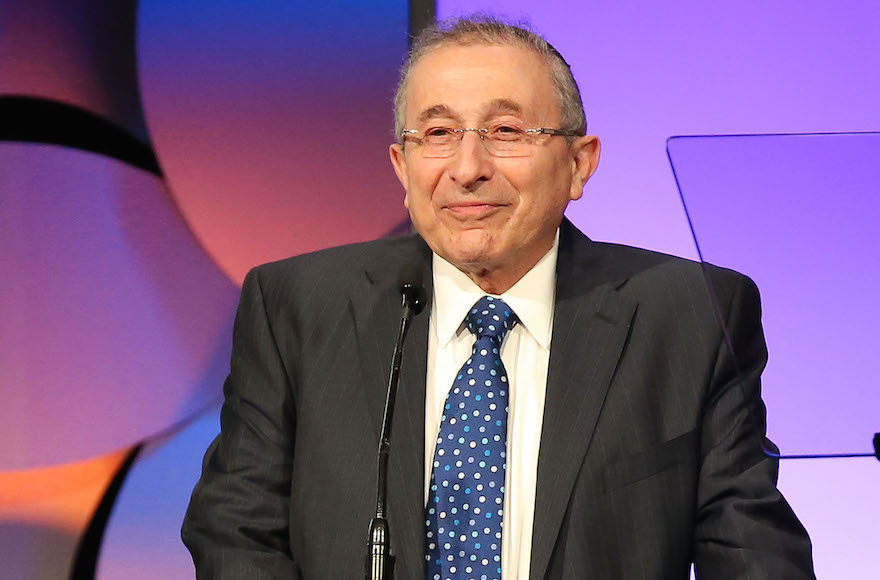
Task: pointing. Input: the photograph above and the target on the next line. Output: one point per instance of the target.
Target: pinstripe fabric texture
(648, 460)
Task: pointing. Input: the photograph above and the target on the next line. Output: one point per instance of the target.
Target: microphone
(380, 561)
(409, 281)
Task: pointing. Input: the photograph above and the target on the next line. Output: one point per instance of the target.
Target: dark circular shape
(272, 120)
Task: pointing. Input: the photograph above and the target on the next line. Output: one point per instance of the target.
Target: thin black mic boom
(380, 561)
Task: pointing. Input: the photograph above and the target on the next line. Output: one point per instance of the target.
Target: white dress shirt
(526, 355)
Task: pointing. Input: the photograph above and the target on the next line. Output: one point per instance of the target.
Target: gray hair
(481, 29)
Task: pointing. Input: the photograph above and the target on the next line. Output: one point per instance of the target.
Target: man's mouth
(472, 209)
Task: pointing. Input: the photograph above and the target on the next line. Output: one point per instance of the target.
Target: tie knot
(490, 317)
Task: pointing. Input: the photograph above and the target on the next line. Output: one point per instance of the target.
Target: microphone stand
(380, 561)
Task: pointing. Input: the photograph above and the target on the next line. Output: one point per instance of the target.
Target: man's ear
(585, 159)
(398, 162)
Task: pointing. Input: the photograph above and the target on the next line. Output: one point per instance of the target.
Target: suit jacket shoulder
(647, 276)
(322, 274)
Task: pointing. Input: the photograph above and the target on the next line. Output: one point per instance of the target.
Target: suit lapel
(591, 324)
(376, 309)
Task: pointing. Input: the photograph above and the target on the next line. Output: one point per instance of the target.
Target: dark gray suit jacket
(649, 455)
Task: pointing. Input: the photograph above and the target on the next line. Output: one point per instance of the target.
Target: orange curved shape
(44, 512)
(62, 496)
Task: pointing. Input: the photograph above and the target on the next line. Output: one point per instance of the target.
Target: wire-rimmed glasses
(500, 139)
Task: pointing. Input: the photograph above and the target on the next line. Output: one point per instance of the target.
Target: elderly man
(568, 409)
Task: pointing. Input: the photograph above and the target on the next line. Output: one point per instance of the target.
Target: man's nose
(472, 162)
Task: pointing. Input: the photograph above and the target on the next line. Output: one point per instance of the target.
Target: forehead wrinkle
(496, 106)
(490, 109)
(435, 111)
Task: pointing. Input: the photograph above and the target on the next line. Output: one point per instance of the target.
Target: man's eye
(506, 132)
(438, 132)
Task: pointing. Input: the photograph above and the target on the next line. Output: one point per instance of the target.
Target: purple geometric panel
(115, 322)
(272, 119)
(799, 215)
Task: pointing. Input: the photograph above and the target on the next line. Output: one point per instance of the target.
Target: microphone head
(409, 283)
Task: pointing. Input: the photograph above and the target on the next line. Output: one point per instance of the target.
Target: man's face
(479, 212)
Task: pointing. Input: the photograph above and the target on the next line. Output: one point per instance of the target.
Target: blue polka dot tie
(465, 504)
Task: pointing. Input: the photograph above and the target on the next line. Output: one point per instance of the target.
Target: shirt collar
(531, 298)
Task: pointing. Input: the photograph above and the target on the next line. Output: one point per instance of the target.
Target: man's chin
(470, 251)
(473, 257)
